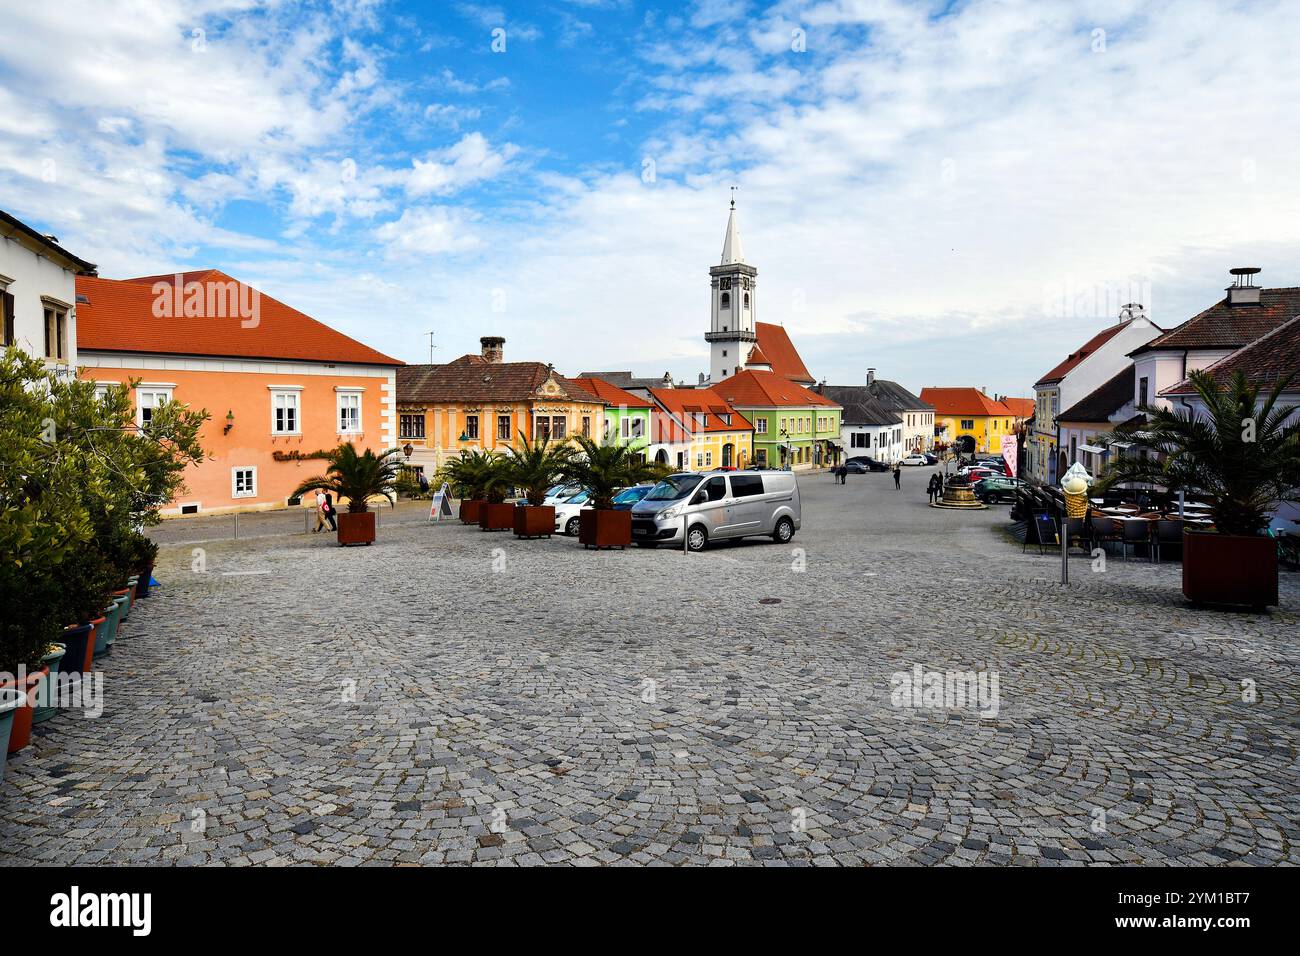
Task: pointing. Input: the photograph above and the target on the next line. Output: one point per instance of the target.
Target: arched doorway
(728, 454)
(661, 456)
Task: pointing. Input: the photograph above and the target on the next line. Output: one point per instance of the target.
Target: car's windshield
(673, 487)
(578, 499)
(631, 494)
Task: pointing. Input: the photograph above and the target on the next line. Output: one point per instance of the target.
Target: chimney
(871, 376)
(493, 348)
(1243, 290)
(1132, 310)
(701, 379)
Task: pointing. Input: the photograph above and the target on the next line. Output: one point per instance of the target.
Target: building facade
(882, 416)
(282, 388)
(38, 295)
(481, 402)
(967, 415)
(627, 416)
(793, 426)
(714, 433)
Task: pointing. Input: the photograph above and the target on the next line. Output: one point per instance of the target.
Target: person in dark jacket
(898, 477)
(328, 509)
(935, 487)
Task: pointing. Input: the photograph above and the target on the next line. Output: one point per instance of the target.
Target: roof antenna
(431, 346)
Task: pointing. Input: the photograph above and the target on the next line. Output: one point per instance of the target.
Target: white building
(39, 294)
(881, 419)
(1082, 372)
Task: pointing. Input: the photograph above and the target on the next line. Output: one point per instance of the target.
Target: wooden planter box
(598, 528)
(469, 511)
(534, 521)
(493, 517)
(356, 527)
(1229, 569)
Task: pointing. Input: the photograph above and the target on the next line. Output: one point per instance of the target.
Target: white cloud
(469, 161)
(422, 232)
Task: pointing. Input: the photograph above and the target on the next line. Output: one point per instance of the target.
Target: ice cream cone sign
(1076, 480)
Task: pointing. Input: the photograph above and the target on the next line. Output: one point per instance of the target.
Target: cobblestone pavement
(502, 710)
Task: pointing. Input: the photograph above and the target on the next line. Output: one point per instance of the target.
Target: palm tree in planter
(495, 514)
(1243, 456)
(603, 469)
(357, 478)
(468, 475)
(534, 467)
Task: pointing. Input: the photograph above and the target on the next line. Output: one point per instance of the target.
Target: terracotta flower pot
(534, 521)
(79, 643)
(494, 517)
(46, 705)
(10, 703)
(356, 527)
(598, 528)
(1229, 569)
(469, 511)
(21, 733)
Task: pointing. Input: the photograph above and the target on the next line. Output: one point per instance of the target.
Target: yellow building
(481, 403)
(962, 412)
(705, 431)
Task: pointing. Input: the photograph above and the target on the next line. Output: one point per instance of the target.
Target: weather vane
(733, 197)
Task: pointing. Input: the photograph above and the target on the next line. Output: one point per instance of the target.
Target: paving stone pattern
(533, 702)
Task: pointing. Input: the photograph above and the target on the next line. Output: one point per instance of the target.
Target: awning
(834, 442)
(1121, 444)
(1093, 449)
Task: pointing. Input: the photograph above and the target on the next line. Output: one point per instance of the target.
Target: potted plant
(356, 479)
(11, 701)
(1242, 455)
(495, 514)
(534, 467)
(46, 691)
(467, 475)
(603, 469)
(144, 565)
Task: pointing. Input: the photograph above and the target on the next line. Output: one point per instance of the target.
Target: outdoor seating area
(1125, 521)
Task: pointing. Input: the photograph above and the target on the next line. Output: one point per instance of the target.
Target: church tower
(733, 286)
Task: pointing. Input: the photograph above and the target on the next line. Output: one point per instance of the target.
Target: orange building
(281, 387)
(481, 402)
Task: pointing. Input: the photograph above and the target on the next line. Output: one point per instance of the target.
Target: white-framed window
(708, 459)
(631, 427)
(760, 426)
(699, 459)
(243, 482)
(56, 334)
(349, 406)
(147, 399)
(286, 411)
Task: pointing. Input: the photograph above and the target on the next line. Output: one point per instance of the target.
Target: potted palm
(603, 469)
(495, 514)
(1242, 455)
(357, 478)
(534, 467)
(468, 474)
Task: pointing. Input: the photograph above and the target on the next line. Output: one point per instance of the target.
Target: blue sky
(954, 193)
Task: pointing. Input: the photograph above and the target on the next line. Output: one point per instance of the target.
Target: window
(745, 486)
(7, 303)
(726, 419)
(56, 334)
(503, 428)
(860, 440)
(715, 489)
(699, 459)
(633, 428)
(243, 482)
(724, 351)
(542, 427)
(1142, 391)
(471, 426)
(747, 300)
(284, 412)
(147, 400)
(760, 457)
(410, 426)
(586, 426)
(725, 301)
(708, 459)
(558, 427)
(968, 423)
(349, 412)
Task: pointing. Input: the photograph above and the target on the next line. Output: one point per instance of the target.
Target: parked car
(996, 488)
(625, 499)
(716, 507)
(854, 467)
(868, 462)
(567, 510)
(914, 460)
(931, 459)
(725, 468)
(558, 493)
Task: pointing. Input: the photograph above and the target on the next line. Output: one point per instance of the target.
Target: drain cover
(769, 600)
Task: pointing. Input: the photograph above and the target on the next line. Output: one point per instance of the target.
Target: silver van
(714, 505)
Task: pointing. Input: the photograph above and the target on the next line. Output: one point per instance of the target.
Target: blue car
(625, 499)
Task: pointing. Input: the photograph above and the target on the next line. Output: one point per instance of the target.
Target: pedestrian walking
(898, 477)
(328, 508)
(320, 512)
(935, 487)
(842, 474)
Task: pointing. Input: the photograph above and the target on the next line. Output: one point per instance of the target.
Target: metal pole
(306, 521)
(236, 525)
(1065, 549)
(685, 546)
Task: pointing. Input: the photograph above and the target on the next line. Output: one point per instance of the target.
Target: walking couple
(324, 512)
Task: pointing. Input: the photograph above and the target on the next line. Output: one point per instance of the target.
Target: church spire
(732, 251)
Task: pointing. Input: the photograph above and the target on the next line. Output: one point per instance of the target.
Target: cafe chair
(1133, 532)
(1169, 533)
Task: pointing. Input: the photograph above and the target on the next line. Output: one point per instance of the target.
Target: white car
(914, 460)
(558, 493)
(566, 513)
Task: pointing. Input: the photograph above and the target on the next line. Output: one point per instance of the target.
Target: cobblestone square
(454, 696)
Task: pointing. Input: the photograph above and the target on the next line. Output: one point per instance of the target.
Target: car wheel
(697, 538)
(784, 531)
(571, 529)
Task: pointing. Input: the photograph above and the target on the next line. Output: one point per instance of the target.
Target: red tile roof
(756, 357)
(1074, 358)
(781, 354)
(1265, 362)
(608, 392)
(1020, 407)
(754, 388)
(1224, 326)
(962, 401)
(117, 315)
(685, 403)
(465, 380)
